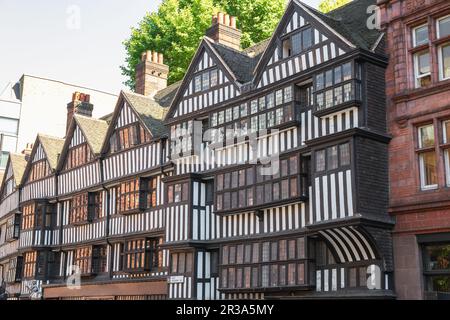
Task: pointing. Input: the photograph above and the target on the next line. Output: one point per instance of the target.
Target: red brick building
(418, 89)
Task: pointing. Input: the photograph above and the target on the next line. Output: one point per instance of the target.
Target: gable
(309, 41)
(77, 137)
(9, 171)
(127, 129)
(208, 82)
(7, 182)
(39, 154)
(126, 116)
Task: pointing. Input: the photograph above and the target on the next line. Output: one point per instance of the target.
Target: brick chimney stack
(225, 31)
(151, 74)
(27, 151)
(80, 104)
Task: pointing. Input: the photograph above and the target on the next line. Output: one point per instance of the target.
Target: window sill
(262, 206)
(429, 188)
(336, 108)
(130, 212)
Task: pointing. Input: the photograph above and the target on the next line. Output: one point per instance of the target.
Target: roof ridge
(49, 136)
(343, 7)
(88, 118)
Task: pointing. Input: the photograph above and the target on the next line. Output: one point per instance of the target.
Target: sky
(74, 41)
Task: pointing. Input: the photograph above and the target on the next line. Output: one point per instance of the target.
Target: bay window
(181, 262)
(337, 86)
(248, 187)
(13, 227)
(86, 207)
(177, 193)
(142, 255)
(137, 194)
(91, 260)
(29, 264)
(263, 264)
(14, 271)
(332, 158)
(28, 216)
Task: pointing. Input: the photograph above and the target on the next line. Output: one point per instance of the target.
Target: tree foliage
(329, 5)
(178, 26)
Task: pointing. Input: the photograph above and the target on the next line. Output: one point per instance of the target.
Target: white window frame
(424, 186)
(446, 154)
(419, 135)
(438, 31)
(417, 77)
(414, 33)
(441, 62)
(422, 175)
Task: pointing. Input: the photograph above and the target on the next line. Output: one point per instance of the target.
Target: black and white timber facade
(262, 174)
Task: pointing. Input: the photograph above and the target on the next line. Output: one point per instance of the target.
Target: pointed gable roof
(52, 147)
(18, 163)
(148, 111)
(350, 21)
(215, 50)
(93, 131)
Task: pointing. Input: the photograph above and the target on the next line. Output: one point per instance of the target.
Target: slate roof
(151, 113)
(240, 63)
(94, 131)
(18, 164)
(350, 21)
(165, 96)
(52, 147)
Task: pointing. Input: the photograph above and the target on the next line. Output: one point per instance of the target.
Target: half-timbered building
(110, 202)
(39, 219)
(10, 260)
(262, 174)
(280, 162)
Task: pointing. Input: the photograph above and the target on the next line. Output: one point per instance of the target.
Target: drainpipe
(107, 214)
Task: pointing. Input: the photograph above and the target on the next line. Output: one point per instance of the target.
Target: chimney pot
(227, 20)
(220, 17)
(80, 104)
(151, 74)
(233, 22)
(224, 31)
